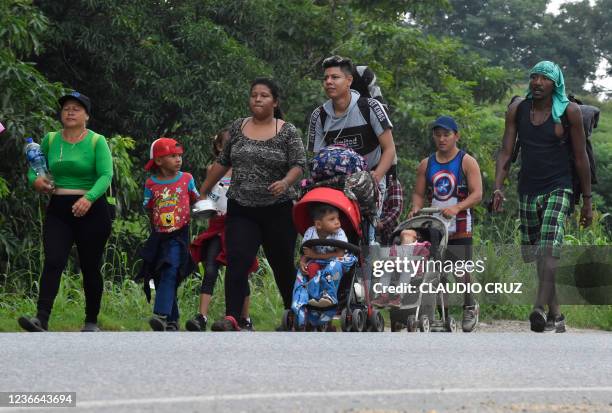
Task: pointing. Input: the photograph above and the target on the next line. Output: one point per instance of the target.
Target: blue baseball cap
(447, 123)
(79, 97)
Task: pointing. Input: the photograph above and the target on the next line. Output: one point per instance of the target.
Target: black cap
(81, 98)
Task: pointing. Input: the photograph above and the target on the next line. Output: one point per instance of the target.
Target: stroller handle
(429, 211)
(332, 243)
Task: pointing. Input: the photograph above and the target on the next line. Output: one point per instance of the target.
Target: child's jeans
(165, 290)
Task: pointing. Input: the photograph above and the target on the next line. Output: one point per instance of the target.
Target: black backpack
(364, 82)
(590, 119)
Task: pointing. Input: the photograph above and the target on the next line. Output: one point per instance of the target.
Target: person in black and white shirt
(358, 122)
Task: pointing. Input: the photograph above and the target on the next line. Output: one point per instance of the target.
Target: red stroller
(354, 308)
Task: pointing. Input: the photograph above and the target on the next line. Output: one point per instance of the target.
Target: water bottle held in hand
(37, 160)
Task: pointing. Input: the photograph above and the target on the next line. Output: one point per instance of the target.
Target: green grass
(125, 308)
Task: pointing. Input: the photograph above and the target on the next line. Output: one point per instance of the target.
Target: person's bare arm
(387, 147)
(504, 157)
(280, 187)
(215, 172)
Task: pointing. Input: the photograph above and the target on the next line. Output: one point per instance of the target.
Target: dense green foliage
(519, 33)
(183, 69)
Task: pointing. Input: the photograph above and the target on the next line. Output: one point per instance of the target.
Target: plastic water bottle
(37, 160)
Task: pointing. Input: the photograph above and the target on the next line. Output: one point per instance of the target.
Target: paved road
(320, 372)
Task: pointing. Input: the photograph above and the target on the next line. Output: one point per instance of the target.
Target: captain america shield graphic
(444, 184)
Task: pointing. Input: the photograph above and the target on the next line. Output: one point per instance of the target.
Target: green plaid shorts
(542, 222)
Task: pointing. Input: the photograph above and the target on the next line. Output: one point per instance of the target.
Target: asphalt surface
(314, 372)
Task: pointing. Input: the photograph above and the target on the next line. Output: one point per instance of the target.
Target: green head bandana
(559, 99)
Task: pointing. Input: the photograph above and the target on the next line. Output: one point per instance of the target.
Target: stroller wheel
(424, 324)
(358, 321)
(411, 324)
(395, 320)
(345, 322)
(376, 322)
(450, 325)
(288, 320)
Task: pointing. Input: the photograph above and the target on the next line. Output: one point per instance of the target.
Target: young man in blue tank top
(455, 186)
(545, 182)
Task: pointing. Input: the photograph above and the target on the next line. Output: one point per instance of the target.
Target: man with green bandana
(545, 179)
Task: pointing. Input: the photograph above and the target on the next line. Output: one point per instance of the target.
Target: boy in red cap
(168, 196)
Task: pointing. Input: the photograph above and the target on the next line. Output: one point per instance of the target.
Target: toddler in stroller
(347, 273)
(321, 267)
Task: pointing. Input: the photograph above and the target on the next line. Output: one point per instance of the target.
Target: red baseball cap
(162, 147)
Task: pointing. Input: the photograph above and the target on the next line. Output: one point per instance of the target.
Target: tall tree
(27, 105)
(601, 25)
(520, 33)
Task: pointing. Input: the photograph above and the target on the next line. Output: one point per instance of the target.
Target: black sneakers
(161, 323)
(32, 324)
(197, 323)
(555, 324)
(538, 319)
(246, 324)
(158, 322)
(172, 326)
(227, 323)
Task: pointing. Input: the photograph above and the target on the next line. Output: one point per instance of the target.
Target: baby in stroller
(411, 245)
(321, 268)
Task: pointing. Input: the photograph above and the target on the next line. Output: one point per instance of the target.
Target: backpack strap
(364, 108)
(362, 104)
(94, 140)
(516, 149)
(52, 136)
(322, 116)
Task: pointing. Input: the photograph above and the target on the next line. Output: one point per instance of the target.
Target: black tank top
(545, 161)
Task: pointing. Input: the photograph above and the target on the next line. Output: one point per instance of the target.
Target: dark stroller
(354, 308)
(418, 310)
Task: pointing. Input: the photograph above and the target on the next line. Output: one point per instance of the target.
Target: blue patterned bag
(334, 160)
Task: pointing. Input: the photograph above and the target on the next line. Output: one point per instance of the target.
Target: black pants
(246, 229)
(461, 249)
(89, 233)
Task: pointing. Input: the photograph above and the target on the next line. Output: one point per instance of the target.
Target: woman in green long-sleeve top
(78, 213)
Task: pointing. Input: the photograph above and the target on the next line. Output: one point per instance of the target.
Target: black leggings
(246, 229)
(210, 249)
(89, 233)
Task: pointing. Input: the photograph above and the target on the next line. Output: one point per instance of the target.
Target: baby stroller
(417, 310)
(354, 308)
